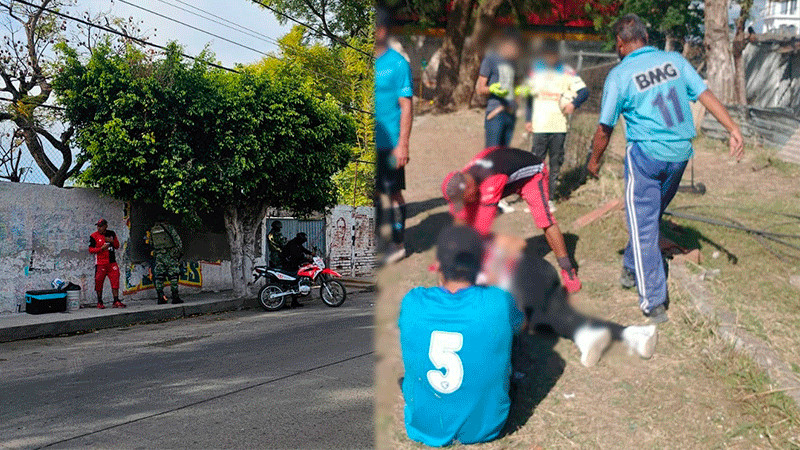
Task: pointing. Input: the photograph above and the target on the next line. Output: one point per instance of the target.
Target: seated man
(295, 253)
(498, 172)
(456, 345)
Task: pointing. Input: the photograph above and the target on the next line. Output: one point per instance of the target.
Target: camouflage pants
(169, 268)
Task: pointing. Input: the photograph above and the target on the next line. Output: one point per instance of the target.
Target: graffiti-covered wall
(350, 238)
(44, 234)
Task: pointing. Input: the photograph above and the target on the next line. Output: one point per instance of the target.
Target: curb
(777, 369)
(72, 326)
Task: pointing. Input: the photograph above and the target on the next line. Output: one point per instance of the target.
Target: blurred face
(381, 36)
(471, 193)
(102, 228)
(508, 50)
(550, 58)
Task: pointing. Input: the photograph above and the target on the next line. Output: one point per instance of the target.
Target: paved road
(293, 379)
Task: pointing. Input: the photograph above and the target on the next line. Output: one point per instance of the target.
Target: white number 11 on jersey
(442, 352)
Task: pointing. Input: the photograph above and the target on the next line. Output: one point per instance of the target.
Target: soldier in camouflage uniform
(167, 251)
(276, 243)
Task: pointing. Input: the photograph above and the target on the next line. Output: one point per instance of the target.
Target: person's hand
(593, 167)
(529, 127)
(522, 90)
(400, 154)
(569, 108)
(736, 144)
(105, 246)
(498, 90)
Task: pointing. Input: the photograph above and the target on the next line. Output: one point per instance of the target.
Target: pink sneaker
(571, 280)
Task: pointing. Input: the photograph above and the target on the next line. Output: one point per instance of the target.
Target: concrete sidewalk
(14, 327)
(27, 326)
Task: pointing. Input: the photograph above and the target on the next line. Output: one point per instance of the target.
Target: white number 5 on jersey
(442, 353)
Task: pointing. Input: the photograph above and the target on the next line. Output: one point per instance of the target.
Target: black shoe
(628, 279)
(176, 300)
(296, 304)
(658, 314)
(162, 299)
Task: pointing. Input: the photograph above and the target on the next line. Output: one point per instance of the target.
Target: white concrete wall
(44, 234)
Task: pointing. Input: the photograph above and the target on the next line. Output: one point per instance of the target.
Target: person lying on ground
(495, 173)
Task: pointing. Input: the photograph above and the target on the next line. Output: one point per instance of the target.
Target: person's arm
(176, 239)
(529, 113)
(599, 144)
(718, 110)
(115, 243)
(406, 119)
(93, 248)
(486, 210)
(482, 86)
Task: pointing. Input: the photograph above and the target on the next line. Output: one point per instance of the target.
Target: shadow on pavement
(533, 357)
(416, 208)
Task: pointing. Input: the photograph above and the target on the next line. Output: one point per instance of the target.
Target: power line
(113, 31)
(249, 31)
(317, 30)
(193, 27)
(161, 47)
(336, 80)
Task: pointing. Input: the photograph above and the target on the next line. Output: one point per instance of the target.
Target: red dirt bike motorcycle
(283, 284)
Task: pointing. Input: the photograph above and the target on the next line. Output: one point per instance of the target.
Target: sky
(161, 30)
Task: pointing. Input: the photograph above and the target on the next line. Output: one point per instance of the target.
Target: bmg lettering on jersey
(655, 76)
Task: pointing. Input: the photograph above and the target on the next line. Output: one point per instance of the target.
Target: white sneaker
(592, 342)
(505, 207)
(395, 255)
(641, 340)
(552, 206)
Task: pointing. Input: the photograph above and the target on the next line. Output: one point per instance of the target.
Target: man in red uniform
(494, 173)
(103, 243)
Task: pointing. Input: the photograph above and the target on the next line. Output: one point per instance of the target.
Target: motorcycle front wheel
(333, 293)
(266, 296)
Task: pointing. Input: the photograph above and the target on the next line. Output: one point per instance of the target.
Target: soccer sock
(565, 263)
(398, 224)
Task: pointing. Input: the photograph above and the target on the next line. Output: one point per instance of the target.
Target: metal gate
(314, 229)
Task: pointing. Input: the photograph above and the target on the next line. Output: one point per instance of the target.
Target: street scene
(241, 379)
(600, 225)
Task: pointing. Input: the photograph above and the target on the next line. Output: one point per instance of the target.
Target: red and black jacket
(96, 242)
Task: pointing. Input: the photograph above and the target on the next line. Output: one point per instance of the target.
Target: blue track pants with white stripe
(649, 187)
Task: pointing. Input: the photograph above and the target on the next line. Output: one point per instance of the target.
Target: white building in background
(781, 17)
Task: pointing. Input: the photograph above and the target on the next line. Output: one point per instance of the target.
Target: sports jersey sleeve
(491, 191)
(611, 105)
(694, 83)
(93, 247)
(405, 83)
(115, 242)
(487, 66)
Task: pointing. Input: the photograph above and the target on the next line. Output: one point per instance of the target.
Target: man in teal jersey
(456, 345)
(393, 117)
(652, 89)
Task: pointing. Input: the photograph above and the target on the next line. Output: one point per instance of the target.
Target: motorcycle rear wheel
(267, 301)
(333, 293)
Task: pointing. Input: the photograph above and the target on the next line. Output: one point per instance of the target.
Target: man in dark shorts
(393, 117)
(495, 173)
(103, 244)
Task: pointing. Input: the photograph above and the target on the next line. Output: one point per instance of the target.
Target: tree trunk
(241, 225)
(739, 44)
(719, 58)
(473, 52)
(458, 20)
(670, 42)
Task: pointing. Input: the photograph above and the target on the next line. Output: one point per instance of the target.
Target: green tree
(346, 75)
(194, 139)
(336, 20)
(670, 22)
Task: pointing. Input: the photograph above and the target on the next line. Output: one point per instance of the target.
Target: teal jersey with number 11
(653, 89)
(457, 357)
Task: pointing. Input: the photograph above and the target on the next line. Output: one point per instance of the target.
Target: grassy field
(695, 392)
